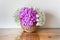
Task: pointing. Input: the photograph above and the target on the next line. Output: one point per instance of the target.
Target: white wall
(50, 7)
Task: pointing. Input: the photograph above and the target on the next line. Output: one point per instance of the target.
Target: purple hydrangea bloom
(27, 16)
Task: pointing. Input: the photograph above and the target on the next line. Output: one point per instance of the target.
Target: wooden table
(41, 34)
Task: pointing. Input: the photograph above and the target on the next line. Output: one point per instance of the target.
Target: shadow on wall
(49, 18)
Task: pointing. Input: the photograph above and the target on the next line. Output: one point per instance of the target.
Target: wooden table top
(41, 34)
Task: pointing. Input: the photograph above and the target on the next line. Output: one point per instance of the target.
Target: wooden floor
(41, 34)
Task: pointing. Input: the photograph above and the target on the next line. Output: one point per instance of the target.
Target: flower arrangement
(28, 16)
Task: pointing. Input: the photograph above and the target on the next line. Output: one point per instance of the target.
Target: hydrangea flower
(27, 16)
